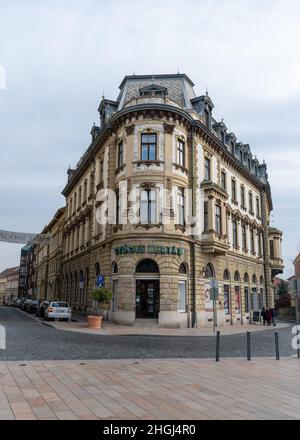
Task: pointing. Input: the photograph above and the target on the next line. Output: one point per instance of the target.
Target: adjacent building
(183, 202)
(49, 258)
(9, 284)
(28, 271)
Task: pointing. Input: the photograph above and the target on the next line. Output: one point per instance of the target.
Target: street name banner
(23, 237)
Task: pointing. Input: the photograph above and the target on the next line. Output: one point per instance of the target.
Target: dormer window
(207, 118)
(241, 156)
(153, 90)
(232, 148)
(249, 164)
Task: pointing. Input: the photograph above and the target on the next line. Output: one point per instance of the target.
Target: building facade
(164, 201)
(9, 284)
(49, 259)
(28, 271)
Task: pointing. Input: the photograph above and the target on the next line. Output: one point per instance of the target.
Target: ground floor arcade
(153, 280)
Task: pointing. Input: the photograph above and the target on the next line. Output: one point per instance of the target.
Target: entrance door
(147, 298)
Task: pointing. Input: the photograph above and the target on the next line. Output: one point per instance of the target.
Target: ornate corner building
(160, 252)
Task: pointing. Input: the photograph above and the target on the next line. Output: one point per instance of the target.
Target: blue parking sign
(100, 281)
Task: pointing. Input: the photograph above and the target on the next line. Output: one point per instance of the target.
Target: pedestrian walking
(263, 315)
(274, 315)
(268, 316)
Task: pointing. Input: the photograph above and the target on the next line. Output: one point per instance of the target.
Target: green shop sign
(141, 249)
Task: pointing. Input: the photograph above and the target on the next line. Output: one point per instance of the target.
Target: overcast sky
(59, 57)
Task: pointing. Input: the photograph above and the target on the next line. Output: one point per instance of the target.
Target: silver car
(58, 310)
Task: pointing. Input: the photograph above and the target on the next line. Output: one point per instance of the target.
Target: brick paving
(151, 389)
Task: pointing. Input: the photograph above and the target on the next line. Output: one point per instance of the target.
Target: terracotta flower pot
(94, 321)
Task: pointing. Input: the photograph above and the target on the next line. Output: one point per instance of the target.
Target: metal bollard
(277, 346)
(248, 346)
(298, 349)
(218, 347)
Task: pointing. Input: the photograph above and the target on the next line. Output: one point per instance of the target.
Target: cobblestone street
(28, 339)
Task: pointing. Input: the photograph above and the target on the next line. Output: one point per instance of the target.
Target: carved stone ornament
(129, 130)
(169, 128)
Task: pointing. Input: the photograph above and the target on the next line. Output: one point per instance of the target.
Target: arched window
(261, 280)
(209, 271)
(114, 268)
(226, 275)
(254, 279)
(147, 266)
(183, 268)
(246, 278)
(237, 276)
(97, 269)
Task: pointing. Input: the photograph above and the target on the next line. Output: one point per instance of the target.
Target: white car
(58, 310)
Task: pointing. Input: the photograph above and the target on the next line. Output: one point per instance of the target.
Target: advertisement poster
(208, 302)
(227, 300)
(237, 300)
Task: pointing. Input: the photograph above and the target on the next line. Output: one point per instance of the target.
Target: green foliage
(102, 295)
(282, 289)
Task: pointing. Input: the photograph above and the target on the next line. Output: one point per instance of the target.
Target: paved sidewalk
(151, 389)
(109, 328)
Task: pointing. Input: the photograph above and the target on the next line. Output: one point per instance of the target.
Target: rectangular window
(118, 208)
(218, 220)
(148, 146)
(114, 296)
(148, 206)
(181, 207)
(182, 296)
(205, 216)
(243, 201)
(250, 202)
(244, 235)
(233, 190)
(272, 254)
(259, 245)
(180, 153)
(257, 207)
(120, 155)
(223, 180)
(246, 299)
(101, 172)
(234, 233)
(252, 241)
(207, 171)
(85, 191)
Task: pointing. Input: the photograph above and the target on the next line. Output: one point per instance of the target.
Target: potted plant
(101, 301)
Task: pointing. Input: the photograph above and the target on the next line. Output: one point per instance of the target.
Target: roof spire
(103, 97)
(206, 93)
(178, 70)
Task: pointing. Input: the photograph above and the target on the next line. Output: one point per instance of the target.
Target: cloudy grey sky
(59, 56)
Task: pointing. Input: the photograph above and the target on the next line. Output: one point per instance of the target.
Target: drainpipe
(265, 246)
(193, 251)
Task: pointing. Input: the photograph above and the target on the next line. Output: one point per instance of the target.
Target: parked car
(58, 310)
(32, 307)
(22, 302)
(16, 302)
(26, 304)
(41, 308)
